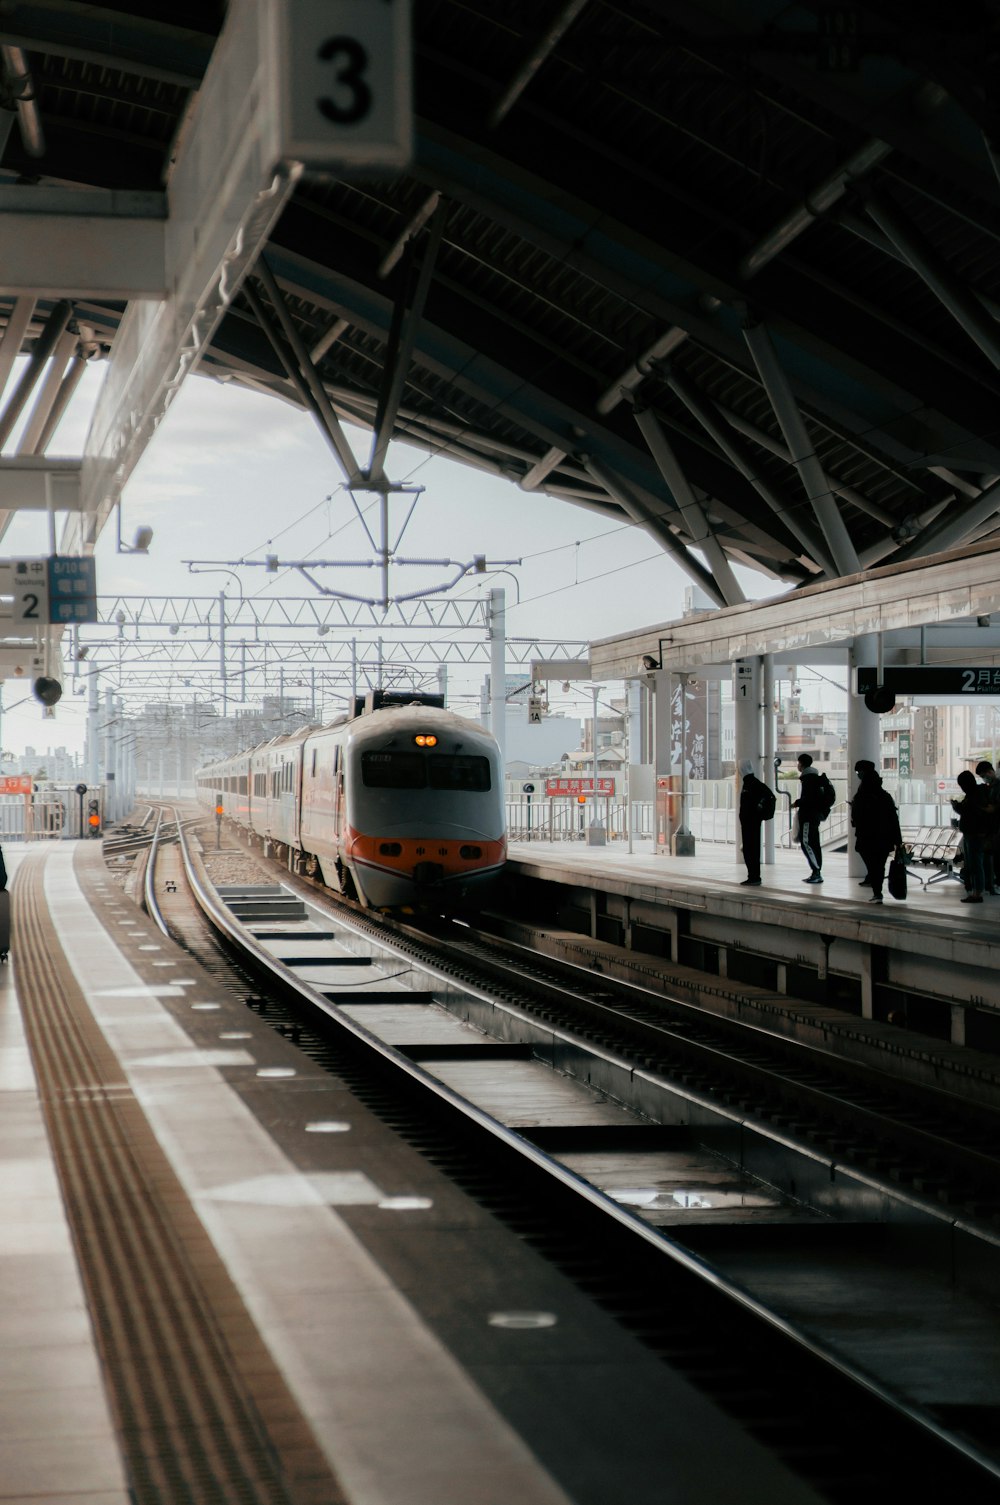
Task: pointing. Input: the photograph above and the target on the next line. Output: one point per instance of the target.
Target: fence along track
(167, 1318)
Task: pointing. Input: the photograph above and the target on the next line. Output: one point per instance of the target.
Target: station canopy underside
(726, 269)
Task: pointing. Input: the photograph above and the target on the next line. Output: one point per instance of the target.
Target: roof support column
(542, 468)
(666, 813)
(13, 335)
(768, 719)
(498, 670)
(804, 457)
(403, 337)
(691, 510)
(746, 729)
(308, 381)
(656, 527)
(48, 392)
(775, 447)
(864, 731)
(954, 527)
(734, 451)
(71, 380)
(44, 346)
(932, 269)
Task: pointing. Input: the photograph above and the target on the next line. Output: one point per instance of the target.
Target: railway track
(692, 1189)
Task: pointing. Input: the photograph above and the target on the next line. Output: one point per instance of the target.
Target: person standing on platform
(991, 853)
(876, 825)
(975, 818)
(757, 804)
(811, 812)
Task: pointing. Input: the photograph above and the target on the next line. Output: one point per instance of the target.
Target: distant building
(56, 763)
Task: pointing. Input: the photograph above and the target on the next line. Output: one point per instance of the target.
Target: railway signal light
(94, 817)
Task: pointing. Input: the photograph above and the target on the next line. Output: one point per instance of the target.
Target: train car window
(242, 781)
(314, 763)
(393, 770)
(458, 771)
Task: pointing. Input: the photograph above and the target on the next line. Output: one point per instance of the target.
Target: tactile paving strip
(203, 1414)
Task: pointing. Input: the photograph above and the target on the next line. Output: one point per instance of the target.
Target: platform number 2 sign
(346, 83)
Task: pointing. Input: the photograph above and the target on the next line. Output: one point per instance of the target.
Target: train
(399, 805)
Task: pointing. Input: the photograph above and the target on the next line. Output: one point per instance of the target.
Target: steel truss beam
(227, 189)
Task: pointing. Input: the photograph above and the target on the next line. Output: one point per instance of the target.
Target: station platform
(223, 1278)
(811, 958)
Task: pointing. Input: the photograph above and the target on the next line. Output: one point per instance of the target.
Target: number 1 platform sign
(345, 83)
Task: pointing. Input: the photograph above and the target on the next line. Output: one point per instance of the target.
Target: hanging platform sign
(345, 83)
(26, 581)
(72, 588)
(931, 679)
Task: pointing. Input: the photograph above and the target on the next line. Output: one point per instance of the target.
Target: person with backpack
(876, 825)
(814, 805)
(757, 804)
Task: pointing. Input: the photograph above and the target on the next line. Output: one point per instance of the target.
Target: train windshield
(408, 770)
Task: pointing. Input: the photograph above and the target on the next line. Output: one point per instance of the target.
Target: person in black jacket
(811, 813)
(876, 825)
(991, 852)
(975, 821)
(756, 800)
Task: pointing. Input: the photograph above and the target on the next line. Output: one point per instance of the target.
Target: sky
(232, 474)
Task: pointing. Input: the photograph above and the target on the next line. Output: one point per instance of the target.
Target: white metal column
(746, 727)
(498, 670)
(768, 773)
(864, 732)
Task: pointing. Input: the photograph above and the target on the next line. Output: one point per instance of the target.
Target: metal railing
(565, 820)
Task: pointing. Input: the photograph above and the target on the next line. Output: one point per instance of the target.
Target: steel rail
(777, 1077)
(586, 1192)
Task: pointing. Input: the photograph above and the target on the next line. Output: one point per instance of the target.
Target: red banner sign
(15, 783)
(579, 786)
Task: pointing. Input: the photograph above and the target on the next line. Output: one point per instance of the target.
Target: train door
(338, 790)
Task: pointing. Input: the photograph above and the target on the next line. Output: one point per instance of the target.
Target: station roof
(727, 268)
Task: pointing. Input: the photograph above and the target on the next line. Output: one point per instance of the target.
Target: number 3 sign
(345, 83)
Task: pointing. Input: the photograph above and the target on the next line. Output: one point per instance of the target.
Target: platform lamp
(140, 543)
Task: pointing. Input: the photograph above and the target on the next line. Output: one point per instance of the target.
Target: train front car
(424, 821)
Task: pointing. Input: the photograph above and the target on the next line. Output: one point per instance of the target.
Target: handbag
(897, 877)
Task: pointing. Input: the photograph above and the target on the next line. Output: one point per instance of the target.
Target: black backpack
(766, 803)
(827, 796)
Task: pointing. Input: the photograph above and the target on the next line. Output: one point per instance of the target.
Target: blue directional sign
(72, 589)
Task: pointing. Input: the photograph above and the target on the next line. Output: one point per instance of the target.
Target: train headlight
(425, 739)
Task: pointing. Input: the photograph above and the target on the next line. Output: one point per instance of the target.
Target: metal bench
(936, 847)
